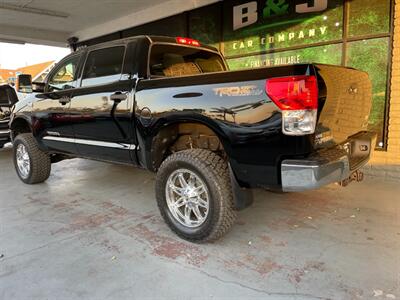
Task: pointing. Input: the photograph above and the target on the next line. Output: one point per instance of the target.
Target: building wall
(386, 164)
(207, 24)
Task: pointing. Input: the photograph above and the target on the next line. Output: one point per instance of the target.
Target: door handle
(118, 97)
(64, 100)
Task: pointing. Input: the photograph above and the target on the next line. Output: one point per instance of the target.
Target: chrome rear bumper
(328, 165)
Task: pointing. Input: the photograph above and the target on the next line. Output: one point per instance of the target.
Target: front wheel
(194, 195)
(32, 164)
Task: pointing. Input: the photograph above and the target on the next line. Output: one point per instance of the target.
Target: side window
(64, 76)
(103, 66)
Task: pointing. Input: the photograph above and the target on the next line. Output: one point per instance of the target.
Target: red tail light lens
(187, 41)
(294, 92)
(297, 97)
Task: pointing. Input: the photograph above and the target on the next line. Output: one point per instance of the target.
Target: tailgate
(345, 100)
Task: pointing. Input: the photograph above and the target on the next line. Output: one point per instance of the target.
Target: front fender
(19, 121)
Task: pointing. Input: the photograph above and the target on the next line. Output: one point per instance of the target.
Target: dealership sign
(281, 37)
(255, 26)
(248, 13)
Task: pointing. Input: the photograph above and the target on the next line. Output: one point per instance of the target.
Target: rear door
(101, 107)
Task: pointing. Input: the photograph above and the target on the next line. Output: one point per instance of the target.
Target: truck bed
(235, 105)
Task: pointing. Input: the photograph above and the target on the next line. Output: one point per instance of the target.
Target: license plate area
(359, 148)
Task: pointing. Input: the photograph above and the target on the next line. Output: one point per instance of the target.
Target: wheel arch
(20, 124)
(176, 132)
(205, 134)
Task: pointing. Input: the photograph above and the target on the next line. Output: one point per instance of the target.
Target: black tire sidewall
(214, 208)
(17, 142)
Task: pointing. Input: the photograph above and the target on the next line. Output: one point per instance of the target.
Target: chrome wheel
(23, 161)
(187, 198)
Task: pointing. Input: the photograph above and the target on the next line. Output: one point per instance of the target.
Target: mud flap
(242, 197)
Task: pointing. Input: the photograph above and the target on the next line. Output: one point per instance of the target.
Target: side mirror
(24, 83)
(38, 87)
(8, 96)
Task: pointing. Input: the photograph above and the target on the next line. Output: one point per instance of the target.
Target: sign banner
(255, 26)
(329, 54)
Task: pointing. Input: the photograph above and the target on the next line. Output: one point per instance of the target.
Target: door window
(65, 75)
(103, 66)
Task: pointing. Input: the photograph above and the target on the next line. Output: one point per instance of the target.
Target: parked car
(4, 130)
(171, 106)
(23, 88)
(5, 112)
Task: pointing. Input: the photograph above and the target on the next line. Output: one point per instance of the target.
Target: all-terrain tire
(213, 170)
(40, 163)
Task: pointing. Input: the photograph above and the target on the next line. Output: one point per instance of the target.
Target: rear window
(174, 61)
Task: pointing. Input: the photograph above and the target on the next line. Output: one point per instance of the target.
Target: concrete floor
(93, 231)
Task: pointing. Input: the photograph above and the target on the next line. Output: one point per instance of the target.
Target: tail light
(187, 41)
(297, 97)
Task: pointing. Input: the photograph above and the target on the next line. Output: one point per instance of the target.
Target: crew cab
(171, 106)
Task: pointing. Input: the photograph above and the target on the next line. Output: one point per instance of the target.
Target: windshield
(174, 61)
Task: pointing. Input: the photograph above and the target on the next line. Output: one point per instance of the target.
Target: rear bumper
(328, 165)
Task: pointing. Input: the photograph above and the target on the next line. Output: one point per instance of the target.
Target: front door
(100, 108)
(51, 110)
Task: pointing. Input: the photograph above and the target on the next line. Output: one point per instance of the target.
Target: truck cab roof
(152, 39)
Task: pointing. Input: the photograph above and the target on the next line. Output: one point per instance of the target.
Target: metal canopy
(52, 22)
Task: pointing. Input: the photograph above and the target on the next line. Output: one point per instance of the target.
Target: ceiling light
(31, 10)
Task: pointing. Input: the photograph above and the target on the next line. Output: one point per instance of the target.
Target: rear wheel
(194, 195)
(32, 164)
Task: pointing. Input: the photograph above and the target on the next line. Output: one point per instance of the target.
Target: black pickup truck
(171, 106)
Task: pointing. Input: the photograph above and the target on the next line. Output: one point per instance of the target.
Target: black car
(171, 106)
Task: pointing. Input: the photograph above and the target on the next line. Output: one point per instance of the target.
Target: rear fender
(158, 139)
